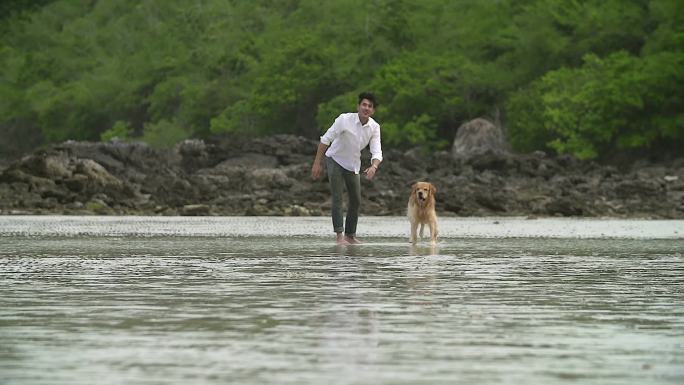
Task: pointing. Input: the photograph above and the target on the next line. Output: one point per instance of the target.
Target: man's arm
(370, 171)
(328, 137)
(376, 155)
(318, 161)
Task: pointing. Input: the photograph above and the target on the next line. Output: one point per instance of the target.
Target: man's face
(366, 108)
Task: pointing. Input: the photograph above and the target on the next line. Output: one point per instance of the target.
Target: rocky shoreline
(270, 176)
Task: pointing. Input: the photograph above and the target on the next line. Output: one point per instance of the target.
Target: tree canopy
(587, 77)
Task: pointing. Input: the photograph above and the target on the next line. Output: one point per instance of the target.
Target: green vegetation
(593, 78)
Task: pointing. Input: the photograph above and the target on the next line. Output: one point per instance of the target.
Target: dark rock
(271, 176)
(250, 160)
(564, 206)
(196, 210)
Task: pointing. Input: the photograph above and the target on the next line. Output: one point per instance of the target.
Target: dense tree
(620, 102)
(590, 77)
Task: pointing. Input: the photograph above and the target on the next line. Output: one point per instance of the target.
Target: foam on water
(388, 227)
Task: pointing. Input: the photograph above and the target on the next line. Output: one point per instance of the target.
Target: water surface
(139, 300)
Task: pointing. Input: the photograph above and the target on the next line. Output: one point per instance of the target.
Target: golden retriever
(421, 210)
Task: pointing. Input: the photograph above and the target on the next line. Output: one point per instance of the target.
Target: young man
(342, 145)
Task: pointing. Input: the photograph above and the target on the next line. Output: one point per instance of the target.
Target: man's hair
(369, 96)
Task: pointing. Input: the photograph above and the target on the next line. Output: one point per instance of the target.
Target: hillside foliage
(587, 77)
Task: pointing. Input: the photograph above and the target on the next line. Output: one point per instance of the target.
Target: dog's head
(423, 191)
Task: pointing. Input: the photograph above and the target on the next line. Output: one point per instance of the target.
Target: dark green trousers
(340, 178)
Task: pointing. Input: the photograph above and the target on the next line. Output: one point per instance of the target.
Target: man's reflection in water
(424, 249)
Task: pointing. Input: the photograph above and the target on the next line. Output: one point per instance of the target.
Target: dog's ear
(414, 187)
(433, 189)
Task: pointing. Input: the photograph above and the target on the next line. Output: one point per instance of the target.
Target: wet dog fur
(421, 210)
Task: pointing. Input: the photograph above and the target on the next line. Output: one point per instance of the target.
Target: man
(342, 145)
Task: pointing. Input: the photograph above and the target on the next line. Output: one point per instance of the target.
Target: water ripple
(258, 310)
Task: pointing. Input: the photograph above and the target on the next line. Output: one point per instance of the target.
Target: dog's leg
(422, 227)
(414, 232)
(433, 232)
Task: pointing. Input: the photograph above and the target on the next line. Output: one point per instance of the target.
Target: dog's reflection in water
(423, 249)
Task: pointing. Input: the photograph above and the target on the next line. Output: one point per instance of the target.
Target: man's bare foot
(341, 239)
(352, 240)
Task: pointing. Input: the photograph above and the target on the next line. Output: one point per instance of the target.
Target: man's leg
(353, 183)
(336, 180)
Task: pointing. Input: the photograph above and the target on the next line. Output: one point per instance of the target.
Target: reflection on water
(300, 310)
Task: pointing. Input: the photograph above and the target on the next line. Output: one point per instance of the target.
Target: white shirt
(348, 137)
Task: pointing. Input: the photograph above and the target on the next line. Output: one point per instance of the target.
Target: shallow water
(141, 300)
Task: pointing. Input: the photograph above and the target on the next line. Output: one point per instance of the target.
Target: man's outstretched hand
(315, 171)
(370, 172)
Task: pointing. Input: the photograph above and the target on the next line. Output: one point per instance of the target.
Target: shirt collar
(358, 120)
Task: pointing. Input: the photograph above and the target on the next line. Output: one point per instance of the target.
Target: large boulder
(478, 137)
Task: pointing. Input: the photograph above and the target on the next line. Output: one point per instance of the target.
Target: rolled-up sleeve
(375, 147)
(333, 132)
